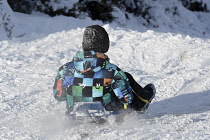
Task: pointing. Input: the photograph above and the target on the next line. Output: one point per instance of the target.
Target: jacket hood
(86, 62)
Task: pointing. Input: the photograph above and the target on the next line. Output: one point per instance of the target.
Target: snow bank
(171, 16)
(162, 16)
(6, 20)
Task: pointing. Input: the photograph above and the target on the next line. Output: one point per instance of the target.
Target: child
(90, 77)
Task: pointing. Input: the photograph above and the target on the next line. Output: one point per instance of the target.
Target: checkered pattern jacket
(90, 77)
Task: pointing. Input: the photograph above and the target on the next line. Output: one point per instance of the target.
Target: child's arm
(58, 92)
(121, 88)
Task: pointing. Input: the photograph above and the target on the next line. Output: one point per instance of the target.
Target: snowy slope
(178, 64)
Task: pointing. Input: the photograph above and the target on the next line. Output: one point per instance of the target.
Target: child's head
(95, 38)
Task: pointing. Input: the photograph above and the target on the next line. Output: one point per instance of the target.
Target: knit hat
(95, 38)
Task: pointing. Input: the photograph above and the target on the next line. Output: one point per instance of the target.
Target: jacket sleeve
(121, 87)
(58, 90)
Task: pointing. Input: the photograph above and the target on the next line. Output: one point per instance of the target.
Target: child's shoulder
(112, 66)
(67, 65)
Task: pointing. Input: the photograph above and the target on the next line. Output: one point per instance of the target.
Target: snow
(6, 20)
(176, 60)
(59, 4)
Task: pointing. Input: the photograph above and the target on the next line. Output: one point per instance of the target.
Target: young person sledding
(90, 77)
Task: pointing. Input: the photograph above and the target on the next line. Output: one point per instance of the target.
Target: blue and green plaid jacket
(90, 77)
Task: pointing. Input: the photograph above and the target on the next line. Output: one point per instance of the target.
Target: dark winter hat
(96, 39)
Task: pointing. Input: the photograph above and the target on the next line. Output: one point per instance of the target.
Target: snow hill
(177, 62)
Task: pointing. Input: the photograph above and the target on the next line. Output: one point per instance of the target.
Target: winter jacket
(90, 77)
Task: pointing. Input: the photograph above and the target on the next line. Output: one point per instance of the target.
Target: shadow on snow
(182, 104)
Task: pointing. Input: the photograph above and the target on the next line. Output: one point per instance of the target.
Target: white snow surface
(6, 20)
(59, 4)
(177, 63)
